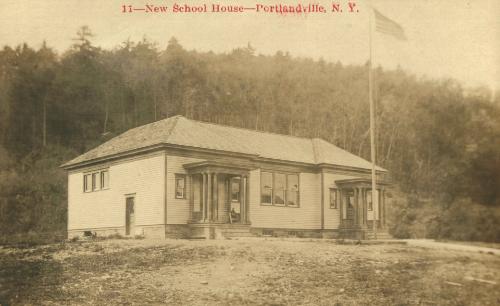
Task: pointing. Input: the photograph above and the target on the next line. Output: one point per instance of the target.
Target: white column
(203, 197)
(216, 198)
(209, 196)
(190, 195)
(243, 198)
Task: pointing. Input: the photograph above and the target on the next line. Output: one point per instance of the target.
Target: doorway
(234, 200)
(129, 215)
(348, 206)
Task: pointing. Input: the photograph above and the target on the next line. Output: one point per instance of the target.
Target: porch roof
(360, 182)
(218, 167)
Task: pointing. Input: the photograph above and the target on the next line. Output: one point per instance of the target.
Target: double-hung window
(266, 188)
(96, 180)
(292, 197)
(180, 186)
(104, 179)
(333, 198)
(87, 182)
(279, 189)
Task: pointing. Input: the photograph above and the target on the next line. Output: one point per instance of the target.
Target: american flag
(387, 26)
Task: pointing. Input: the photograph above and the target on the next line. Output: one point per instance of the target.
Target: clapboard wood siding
(142, 176)
(254, 196)
(332, 216)
(307, 216)
(177, 209)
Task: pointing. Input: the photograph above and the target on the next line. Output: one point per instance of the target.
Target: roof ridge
(315, 150)
(245, 129)
(174, 125)
(179, 130)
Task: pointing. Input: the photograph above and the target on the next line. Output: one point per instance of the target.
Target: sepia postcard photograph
(250, 152)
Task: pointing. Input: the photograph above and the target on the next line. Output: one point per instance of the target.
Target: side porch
(357, 212)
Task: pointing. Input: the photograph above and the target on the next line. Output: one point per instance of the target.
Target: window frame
(289, 190)
(286, 188)
(335, 203)
(93, 180)
(271, 188)
(96, 181)
(102, 174)
(87, 182)
(369, 202)
(233, 180)
(180, 177)
(281, 190)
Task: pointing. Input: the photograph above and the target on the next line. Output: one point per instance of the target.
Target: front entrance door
(235, 200)
(349, 207)
(129, 215)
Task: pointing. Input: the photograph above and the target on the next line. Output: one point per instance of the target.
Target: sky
(446, 38)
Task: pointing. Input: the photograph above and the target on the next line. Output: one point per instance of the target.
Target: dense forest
(440, 140)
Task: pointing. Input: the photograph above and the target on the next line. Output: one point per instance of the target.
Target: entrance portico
(357, 212)
(218, 197)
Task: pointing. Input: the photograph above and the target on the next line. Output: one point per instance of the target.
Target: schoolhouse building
(181, 178)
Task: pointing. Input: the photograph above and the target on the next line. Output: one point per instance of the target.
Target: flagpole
(372, 125)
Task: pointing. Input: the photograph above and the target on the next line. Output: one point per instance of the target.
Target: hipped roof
(180, 131)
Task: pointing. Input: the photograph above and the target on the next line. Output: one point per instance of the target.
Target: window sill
(279, 205)
(97, 190)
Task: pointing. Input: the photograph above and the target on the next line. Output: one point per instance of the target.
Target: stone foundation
(222, 231)
(149, 231)
(177, 231)
(280, 232)
(98, 232)
(355, 234)
(152, 231)
(330, 234)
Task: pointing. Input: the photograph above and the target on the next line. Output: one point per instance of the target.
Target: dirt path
(246, 272)
(452, 246)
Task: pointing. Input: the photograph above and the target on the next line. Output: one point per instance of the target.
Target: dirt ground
(245, 272)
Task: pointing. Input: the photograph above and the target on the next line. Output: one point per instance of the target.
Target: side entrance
(129, 215)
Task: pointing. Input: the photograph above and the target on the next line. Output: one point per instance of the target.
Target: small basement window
(267, 232)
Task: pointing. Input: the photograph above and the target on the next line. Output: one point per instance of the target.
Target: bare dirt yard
(245, 272)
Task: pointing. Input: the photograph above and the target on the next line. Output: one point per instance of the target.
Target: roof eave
(362, 181)
(70, 166)
(343, 167)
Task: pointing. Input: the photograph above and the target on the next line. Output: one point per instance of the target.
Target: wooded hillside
(440, 141)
